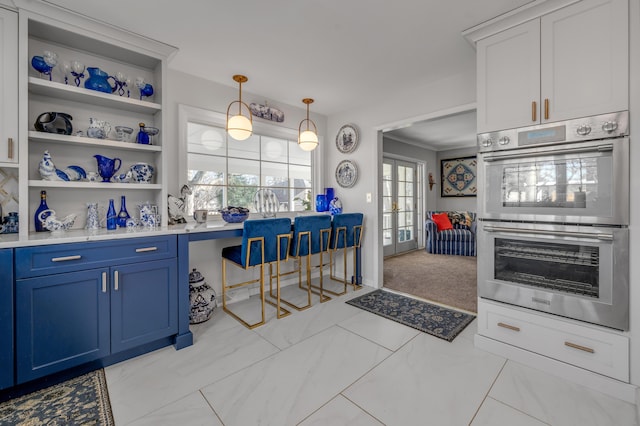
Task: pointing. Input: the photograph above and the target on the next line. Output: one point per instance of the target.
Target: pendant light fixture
(239, 126)
(308, 139)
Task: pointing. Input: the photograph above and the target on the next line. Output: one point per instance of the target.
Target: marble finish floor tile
(494, 413)
(558, 402)
(141, 385)
(340, 412)
(290, 385)
(470, 331)
(303, 324)
(192, 410)
(428, 378)
(389, 334)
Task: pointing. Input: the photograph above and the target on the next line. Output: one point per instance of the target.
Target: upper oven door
(586, 182)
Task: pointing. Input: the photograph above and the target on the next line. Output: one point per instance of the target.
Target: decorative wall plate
(347, 138)
(346, 174)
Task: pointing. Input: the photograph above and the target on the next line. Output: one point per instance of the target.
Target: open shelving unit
(112, 50)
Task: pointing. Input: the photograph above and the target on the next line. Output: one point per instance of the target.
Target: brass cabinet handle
(145, 249)
(580, 347)
(104, 282)
(546, 109)
(534, 111)
(115, 281)
(509, 327)
(10, 148)
(66, 258)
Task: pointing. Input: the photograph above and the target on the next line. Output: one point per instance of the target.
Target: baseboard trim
(621, 390)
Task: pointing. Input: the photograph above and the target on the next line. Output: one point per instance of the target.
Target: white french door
(399, 206)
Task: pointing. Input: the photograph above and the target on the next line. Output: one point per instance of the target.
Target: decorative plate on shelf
(347, 138)
(346, 174)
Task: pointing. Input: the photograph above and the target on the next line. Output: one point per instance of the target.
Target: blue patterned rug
(436, 320)
(83, 400)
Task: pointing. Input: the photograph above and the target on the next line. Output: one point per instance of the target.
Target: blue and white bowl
(142, 173)
(234, 214)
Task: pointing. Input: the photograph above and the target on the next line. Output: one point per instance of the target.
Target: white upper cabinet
(8, 87)
(567, 64)
(585, 59)
(509, 78)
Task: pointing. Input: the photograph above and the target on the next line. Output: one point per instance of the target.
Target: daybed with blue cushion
(460, 240)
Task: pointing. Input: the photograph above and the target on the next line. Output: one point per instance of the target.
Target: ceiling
(442, 133)
(345, 54)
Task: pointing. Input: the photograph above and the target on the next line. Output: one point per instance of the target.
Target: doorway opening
(412, 151)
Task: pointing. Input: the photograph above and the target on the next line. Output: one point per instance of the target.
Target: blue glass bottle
(112, 217)
(328, 192)
(321, 203)
(142, 137)
(123, 215)
(43, 206)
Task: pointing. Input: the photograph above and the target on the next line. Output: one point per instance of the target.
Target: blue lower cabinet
(61, 321)
(76, 303)
(144, 303)
(6, 319)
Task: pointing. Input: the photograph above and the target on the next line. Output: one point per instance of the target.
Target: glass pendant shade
(239, 126)
(307, 139)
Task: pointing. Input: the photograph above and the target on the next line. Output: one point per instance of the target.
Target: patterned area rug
(432, 319)
(83, 400)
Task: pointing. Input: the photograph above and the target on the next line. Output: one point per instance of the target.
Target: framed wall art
(347, 138)
(458, 177)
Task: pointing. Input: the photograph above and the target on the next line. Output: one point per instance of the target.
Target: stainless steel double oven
(553, 205)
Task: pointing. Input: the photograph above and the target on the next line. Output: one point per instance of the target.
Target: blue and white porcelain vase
(93, 218)
(335, 206)
(202, 298)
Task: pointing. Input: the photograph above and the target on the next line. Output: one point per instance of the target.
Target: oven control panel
(603, 126)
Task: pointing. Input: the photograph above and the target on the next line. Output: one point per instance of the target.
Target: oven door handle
(599, 148)
(602, 237)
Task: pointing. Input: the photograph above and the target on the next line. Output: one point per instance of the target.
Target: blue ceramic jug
(107, 166)
(98, 80)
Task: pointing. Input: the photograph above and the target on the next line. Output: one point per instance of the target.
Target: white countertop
(82, 235)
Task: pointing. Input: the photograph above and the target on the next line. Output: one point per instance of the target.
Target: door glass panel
(386, 237)
(560, 183)
(566, 268)
(581, 185)
(387, 204)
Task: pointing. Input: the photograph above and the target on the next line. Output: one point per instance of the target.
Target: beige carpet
(450, 280)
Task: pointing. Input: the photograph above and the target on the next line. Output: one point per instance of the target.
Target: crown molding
(512, 18)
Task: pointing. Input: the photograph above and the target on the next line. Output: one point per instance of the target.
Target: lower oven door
(579, 272)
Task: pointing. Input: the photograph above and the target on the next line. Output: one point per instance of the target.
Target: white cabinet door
(584, 65)
(509, 78)
(8, 86)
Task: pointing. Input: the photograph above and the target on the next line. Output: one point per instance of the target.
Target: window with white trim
(224, 172)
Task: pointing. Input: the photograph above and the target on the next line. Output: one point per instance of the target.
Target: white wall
(634, 227)
(410, 105)
(193, 91)
(391, 146)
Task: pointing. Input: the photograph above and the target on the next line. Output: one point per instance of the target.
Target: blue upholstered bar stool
(311, 235)
(264, 241)
(346, 233)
